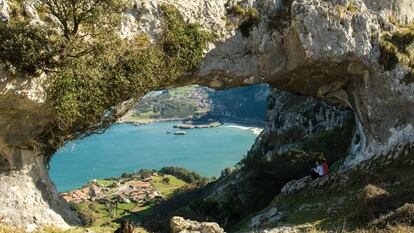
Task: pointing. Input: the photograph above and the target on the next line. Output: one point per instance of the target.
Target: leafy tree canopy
(90, 68)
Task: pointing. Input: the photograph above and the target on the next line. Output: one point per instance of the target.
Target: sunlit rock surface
(181, 225)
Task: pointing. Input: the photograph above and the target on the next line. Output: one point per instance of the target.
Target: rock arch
(324, 49)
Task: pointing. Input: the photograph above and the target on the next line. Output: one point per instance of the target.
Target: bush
(373, 202)
(25, 49)
(145, 173)
(166, 180)
(397, 47)
(87, 218)
(127, 175)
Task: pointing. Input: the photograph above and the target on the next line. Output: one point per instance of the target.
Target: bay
(129, 148)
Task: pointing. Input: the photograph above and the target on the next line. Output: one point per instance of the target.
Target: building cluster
(138, 191)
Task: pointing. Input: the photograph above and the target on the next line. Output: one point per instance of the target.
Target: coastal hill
(200, 104)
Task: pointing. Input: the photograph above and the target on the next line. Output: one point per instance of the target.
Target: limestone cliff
(331, 50)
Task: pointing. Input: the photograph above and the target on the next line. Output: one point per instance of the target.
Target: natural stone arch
(323, 52)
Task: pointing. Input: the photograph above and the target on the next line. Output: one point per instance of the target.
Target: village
(138, 191)
(113, 198)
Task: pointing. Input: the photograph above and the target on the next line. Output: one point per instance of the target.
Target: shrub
(166, 180)
(249, 17)
(397, 47)
(373, 202)
(237, 10)
(352, 8)
(24, 48)
(392, 19)
(87, 218)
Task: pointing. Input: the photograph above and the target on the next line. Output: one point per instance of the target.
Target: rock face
(4, 11)
(290, 118)
(402, 9)
(329, 50)
(319, 48)
(27, 196)
(145, 16)
(180, 225)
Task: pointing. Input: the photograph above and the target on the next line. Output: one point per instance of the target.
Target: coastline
(255, 130)
(237, 123)
(129, 119)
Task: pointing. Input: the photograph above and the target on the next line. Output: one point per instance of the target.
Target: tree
(90, 69)
(166, 180)
(89, 14)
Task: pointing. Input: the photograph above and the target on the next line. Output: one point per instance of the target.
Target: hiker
(325, 166)
(126, 227)
(318, 171)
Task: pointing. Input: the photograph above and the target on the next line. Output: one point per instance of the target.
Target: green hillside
(240, 105)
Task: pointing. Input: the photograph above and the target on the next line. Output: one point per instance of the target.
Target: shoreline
(255, 130)
(144, 121)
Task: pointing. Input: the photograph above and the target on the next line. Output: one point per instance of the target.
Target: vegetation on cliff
(397, 47)
(375, 196)
(246, 17)
(90, 68)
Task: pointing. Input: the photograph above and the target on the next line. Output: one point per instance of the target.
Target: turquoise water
(128, 148)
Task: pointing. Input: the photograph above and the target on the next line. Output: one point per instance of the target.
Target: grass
(97, 214)
(167, 189)
(105, 183)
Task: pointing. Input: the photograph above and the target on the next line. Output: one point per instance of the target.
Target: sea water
(129, 148)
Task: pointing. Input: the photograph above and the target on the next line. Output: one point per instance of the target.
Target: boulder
(181, 225)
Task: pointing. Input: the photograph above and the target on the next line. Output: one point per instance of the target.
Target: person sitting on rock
(325, 166)
(126, 227)
(318, 171)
